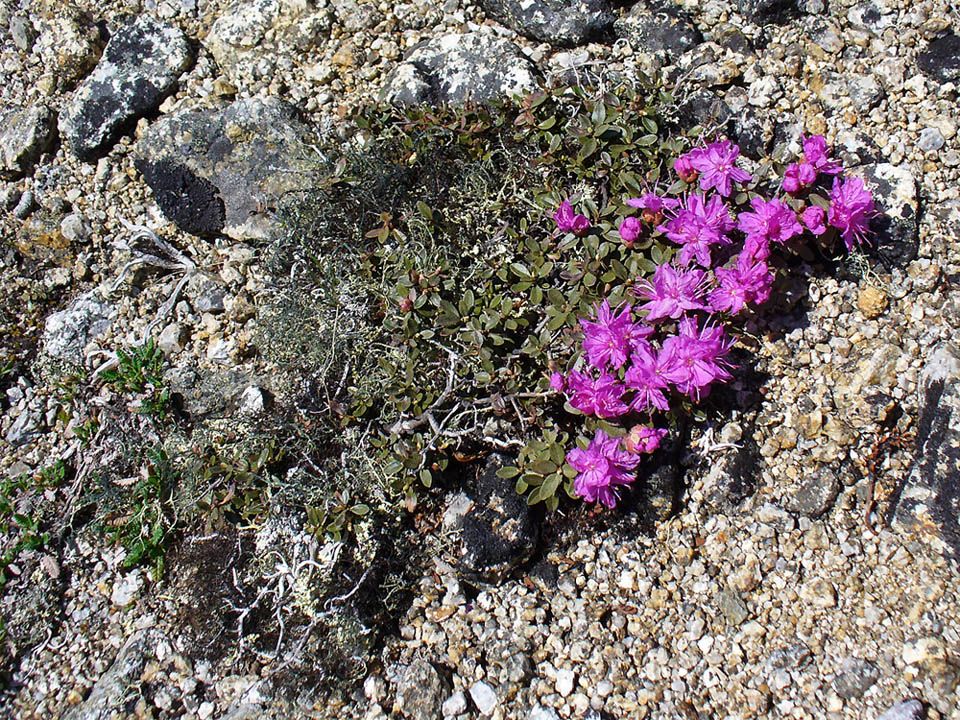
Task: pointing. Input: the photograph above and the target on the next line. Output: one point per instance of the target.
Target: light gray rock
(170, 339)
(120, 682)
(559, 22)
(24, 206)
(817, 494)
(211, 170)
(75, 228)
(454, 705)
(69, 45)
(872, 16)
(659, 27)
(856, 676)
(24, 135)
(931, 139)
(928, 502)
(732, 607)
(906, 710)
(460, 67)
(250, 37)
(22, 33)
(484, 697)
(858, 90)
(354, 16)
(139, 67)
(420, 691)
(67, 332)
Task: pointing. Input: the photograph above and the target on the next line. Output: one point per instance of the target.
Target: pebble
(565, 680)
(484, 697)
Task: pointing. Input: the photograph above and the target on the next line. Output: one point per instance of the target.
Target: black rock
(215, 170)
(559, 22)
(767, 11)
(498, 532)
(941, 59)
(457, 68)
(897, 228)
(753, 134)
(707, 109)
(928, 504)
(139, 68)
(817, 494)
(658, 27)
(732, 478)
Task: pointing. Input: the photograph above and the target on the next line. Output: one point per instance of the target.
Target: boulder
(139, 68)
(67, 332)
(940, 60)
(24, 135)
(216, 169)
(460, 67)
(658, 27)
(566, 23)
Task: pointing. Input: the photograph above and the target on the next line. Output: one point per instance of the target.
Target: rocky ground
(807, 572)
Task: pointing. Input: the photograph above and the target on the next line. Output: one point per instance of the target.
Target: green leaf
(360, 510)
(426, 477)
(508, 472)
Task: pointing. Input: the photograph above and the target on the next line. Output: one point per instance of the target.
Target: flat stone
(67, 332)
(940, 60)
(906, 710)
(170, 339)
(24, 135)
(138, 69)
(856, 676)
(897, 228)
(928, 502)
(484, 697)
(211, 170)
(559, 22)
(817, 494)
(732, 607)
(659, 27)
(460, 67)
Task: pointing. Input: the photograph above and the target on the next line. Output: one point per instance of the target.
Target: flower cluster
(640, 359)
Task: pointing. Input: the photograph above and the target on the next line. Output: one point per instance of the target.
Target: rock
(498, 532)
(24, 428)
(206, 295)
(559, 22)
(170, 339)
(872, 16)
(420, 691)
(817, 494)
(250, 37)
(484, 697)
(67, 332)
(75, 228)
(731, 478)
(658, 27)
(791, 657)
(139, 68)
(906, 710)
(775, 517)
(710, 65)
(24, 205)
(252, 401)
(931, 139)
(211, 170)
(126, 589)
(732, 607)
(24, 135)
(120, 684)
(923, 650)
(860, 91)
(454, 705)
(940, 60)
(872, 302)
(766, 11)
(855, 678)
(456, 68)
(22, 33)
(706, 109)
(355, 17)
(897, 228)
(543, 713)
(565, 681)
(68, 46)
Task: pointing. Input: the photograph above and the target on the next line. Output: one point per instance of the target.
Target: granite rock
(460, 67)
(559, 22)
(24, 135)
(67, 332)
(420, 691)
(139, 67)
(68, 46)
(658, 27)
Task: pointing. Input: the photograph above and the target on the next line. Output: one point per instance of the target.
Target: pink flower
(567, 221)
(851, 207)
(601, 397)
(814, 218)
(748, 282)
(717, 168)
(798, 177)
(610, 339)
(693, 359)
(697, 226)
(558, 382)
(771, 219)
(646, 377)
(671, 293)
(653, 206)
(630, 230)
(683, 166)
(600, 468)
(643, 439)
(815, 150)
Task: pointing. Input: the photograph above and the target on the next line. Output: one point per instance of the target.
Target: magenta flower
(630, 230)
(693, 359)
(558, 382)
(601, 397)
(645, 375)
(567, 221)
(672, 292)
(717, 168)
(748, 282)
(798, 177)
(851, 207)
(770, 219)
(814, 217)
(600, 468)
(756, 247)
(684, 167)
(643, 439)
(815, 150)
(610, 339)
(697, 226)
(652, 206)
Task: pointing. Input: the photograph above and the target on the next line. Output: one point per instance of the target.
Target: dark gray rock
(856, 676)
(707, 109)
(138, 69)
(929, 502)
(213, 170)
(456, 68)
(24, 135)
(941, 59)
(767, 11)
(206, 295)
(897, 228)
(559, 22)
(794, 655)
(121, 682)
(498, 532)
(817, 494)
(420, 691)
(658, 27)
(731, 478)
(906, 710)
(67, 332)
(753, 133)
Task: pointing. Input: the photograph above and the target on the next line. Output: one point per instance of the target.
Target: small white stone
(565, 679)
(454, 705)
(205, 710)
(484, 697)
(251, 401)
